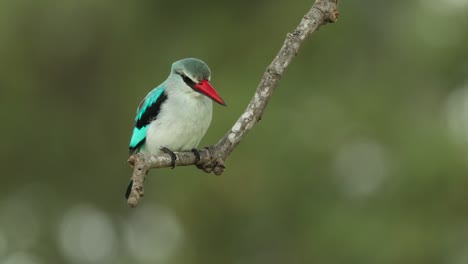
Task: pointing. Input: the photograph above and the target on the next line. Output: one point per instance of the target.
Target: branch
(212, 158)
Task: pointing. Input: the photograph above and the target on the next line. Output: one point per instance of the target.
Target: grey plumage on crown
(194, 68)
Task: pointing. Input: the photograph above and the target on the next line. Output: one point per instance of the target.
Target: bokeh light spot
(361, 167)
(87, 235)
(153, 234)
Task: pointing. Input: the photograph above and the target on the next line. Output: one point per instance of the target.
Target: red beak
(205, 88)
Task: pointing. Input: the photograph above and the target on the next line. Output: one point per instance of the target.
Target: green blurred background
(361, 156)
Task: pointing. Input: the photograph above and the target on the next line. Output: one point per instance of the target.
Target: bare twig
(212, 158)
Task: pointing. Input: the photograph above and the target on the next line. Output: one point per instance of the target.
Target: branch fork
(212, 158)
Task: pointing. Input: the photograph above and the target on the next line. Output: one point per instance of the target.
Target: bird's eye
(187, 80)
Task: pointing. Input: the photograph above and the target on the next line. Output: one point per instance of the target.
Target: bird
(175, 115)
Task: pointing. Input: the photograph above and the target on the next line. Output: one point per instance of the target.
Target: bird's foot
(171, 153)
(197, 155)
(197, 160)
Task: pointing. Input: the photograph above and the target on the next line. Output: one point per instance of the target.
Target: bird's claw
(197, 155)
(172, 154)
(197, 161)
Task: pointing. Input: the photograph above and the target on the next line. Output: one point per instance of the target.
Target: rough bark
(212, 158)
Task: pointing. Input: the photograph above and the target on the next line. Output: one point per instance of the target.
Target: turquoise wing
(147, 112)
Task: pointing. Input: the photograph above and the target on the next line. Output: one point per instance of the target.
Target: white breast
(182, 121)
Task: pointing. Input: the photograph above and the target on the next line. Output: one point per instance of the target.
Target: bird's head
(196, 74)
